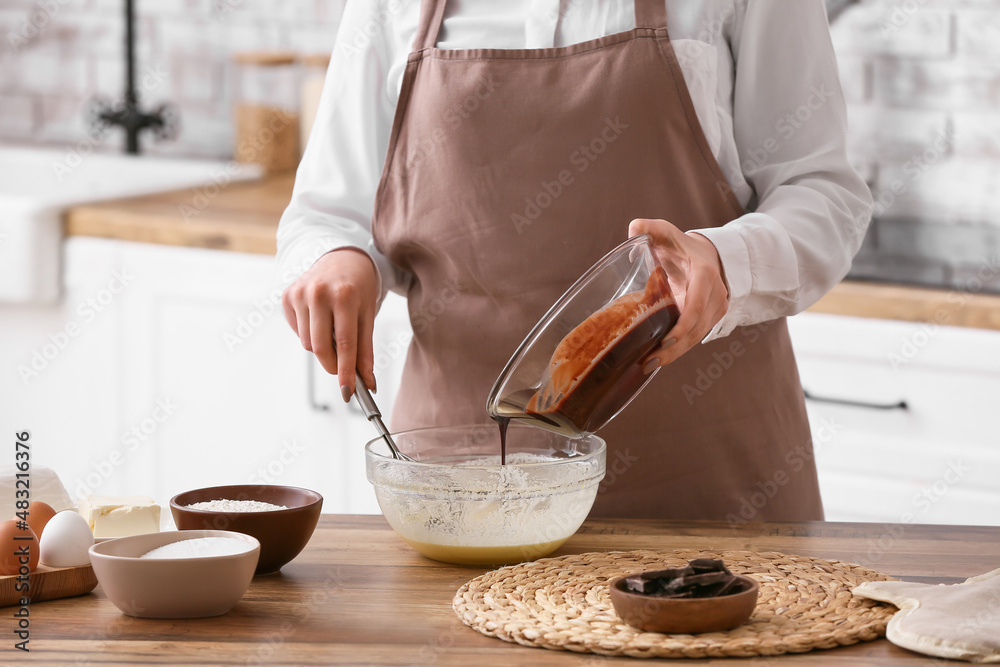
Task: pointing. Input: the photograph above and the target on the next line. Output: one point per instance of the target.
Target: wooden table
(357, 595)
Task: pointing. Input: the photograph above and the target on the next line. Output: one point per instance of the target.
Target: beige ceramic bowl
(172, 587)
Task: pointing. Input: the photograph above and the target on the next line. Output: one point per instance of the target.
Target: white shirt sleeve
(337, 178)
(789, 124)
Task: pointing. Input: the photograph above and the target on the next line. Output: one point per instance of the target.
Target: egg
(39, 514)
(66, 541)
(13, 546)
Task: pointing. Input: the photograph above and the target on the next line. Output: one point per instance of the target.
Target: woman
(516, 140)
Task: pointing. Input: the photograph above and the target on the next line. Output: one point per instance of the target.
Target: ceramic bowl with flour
(282, 518)
(456, 503)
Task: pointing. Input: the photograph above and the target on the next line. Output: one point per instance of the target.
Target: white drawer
(938, 460)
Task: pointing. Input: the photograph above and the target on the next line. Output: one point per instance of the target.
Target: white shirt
(764, 81)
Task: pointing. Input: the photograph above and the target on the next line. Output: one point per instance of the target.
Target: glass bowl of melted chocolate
(456, 502)
(702, 596)
(583, 362)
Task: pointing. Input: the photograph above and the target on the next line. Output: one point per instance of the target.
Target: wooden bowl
(685, 616)
(172, 587)
(282, 533)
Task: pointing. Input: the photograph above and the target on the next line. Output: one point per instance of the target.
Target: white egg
(66, 541)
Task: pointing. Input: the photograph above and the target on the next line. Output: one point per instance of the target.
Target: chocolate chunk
(734, 585)
(700, 565)
(639, 584)
(706, 578)
(700, 578)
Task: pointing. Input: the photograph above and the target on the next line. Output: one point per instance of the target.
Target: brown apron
(510, 172)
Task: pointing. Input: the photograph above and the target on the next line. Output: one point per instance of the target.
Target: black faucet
(162, 121)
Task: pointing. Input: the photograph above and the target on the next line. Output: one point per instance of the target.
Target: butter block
(121, 516)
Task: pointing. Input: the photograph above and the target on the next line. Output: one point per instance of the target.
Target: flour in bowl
(235, 506)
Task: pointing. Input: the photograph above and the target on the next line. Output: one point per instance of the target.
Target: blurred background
(141, 338)
(59, 55)
(923, 86)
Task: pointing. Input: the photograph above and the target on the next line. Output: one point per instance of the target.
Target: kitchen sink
(37, 185)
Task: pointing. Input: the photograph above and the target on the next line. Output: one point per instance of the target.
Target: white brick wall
(977, 134)
(926, 133)
(18, 114)
(915, 72)
(874, 28)
(924, 119)
(56, 55)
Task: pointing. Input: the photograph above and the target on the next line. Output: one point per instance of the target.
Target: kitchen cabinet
(190, 376)
(61, 368)
(913, 434)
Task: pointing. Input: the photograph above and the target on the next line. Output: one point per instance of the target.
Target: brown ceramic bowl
(172, 587)
(282, 533)
(686, 616)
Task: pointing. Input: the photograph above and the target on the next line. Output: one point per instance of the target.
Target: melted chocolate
(597, 367)
(503, 423)
(615, 378)
(602, 390)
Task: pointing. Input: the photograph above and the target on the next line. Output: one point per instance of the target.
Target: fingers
(665, 235)
(694, 270)
(296, 308)
(329, 307)
(366, 350)
(696, 321)
(289, 309)
(320, 329)
(345, 315)
(668, 246)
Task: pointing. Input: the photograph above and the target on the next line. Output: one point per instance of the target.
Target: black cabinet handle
(900, 405)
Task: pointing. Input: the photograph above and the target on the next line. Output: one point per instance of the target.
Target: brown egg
(39, 514)
(11, 547)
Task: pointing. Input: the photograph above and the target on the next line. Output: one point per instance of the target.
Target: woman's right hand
(334, 301)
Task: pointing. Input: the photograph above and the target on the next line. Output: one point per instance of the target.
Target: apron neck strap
(431, 15)
(650, 14)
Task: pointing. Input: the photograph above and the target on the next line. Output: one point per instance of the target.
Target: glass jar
(267, 109)
(313, 67)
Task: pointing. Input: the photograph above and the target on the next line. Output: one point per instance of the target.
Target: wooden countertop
(358, 595)
(912, 304)
(243, 216)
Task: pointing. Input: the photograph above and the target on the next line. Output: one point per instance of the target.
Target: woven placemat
(563, 603)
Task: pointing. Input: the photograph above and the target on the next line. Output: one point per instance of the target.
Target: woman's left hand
(697, 281)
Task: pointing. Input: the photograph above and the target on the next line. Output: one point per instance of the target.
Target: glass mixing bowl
(456, 503)
(583, 362)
